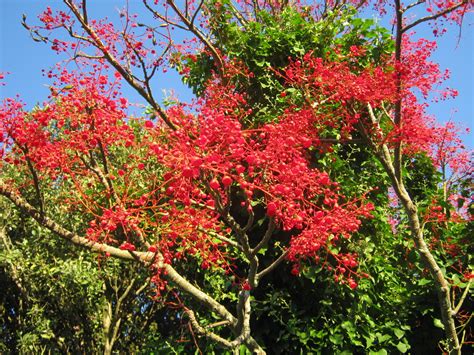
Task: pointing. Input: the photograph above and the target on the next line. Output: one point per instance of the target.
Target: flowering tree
(235, 175)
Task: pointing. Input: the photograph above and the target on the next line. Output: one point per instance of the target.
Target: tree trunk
(442, 286)
(111, 327)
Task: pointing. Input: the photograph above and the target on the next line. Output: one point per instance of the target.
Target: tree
(59, 300)
(238, 182)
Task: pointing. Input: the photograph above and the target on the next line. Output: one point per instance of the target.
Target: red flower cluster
(179, 184)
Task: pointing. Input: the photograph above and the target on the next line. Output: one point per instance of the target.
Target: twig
(434, 16)
(273, 265)
(462, 299)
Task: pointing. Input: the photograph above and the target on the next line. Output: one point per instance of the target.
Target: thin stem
(266, 237)
(204, 331)
(84, 11)
(416, 3)
(273, 265)
(222, 238)
(199, 35)
(462, 299)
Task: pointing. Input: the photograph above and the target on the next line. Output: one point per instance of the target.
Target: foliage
(57, 303)
(267, 44)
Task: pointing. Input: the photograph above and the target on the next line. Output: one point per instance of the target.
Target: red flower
(246, 286)
(214, 184)
(271, 209)
(240, 169)
(227, 181)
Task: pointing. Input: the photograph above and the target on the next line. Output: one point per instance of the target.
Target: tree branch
(47, 222)
(222, 238)
(416, 3)
(163, 18)
(434, 16)
(462, 299)
(266, 237)
(115, 63)
(442, 287)
(173, 276)
(243, 324)
(84, 11)
(273, 265)
(170, 273)
(199, 35)
(397, 163)
(204, 331)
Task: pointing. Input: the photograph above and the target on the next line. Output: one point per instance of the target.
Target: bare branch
(173, 276)
(204, 331)
(397, 161)
(143, 257)
(434, 16)
(243, 326)
(217, 324)
(243, 21)
(416, 229)
(241, 235)
(221, 237)
(87, 56)
(84, 11)
(416, 3)
(146, 76)
(217, 57)
(196, 12)
(163, 18)
(266, 237)
(273, 265)
(249, 221)
(462, 299)
(36, 184)
(125, 293)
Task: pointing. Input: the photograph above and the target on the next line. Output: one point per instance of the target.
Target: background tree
(62, 299)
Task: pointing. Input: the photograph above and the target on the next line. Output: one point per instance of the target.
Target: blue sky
(24, 59)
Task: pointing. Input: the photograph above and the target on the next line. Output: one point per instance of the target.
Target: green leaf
(336, 339)
(348, 326)
(399, 333)
(382, 337)
(456, 280)
(369, 340)
(402, 347)
(423, 282)
(380, 352)
(437, 323)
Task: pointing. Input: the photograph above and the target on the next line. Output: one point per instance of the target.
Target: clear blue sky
(24, 59)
